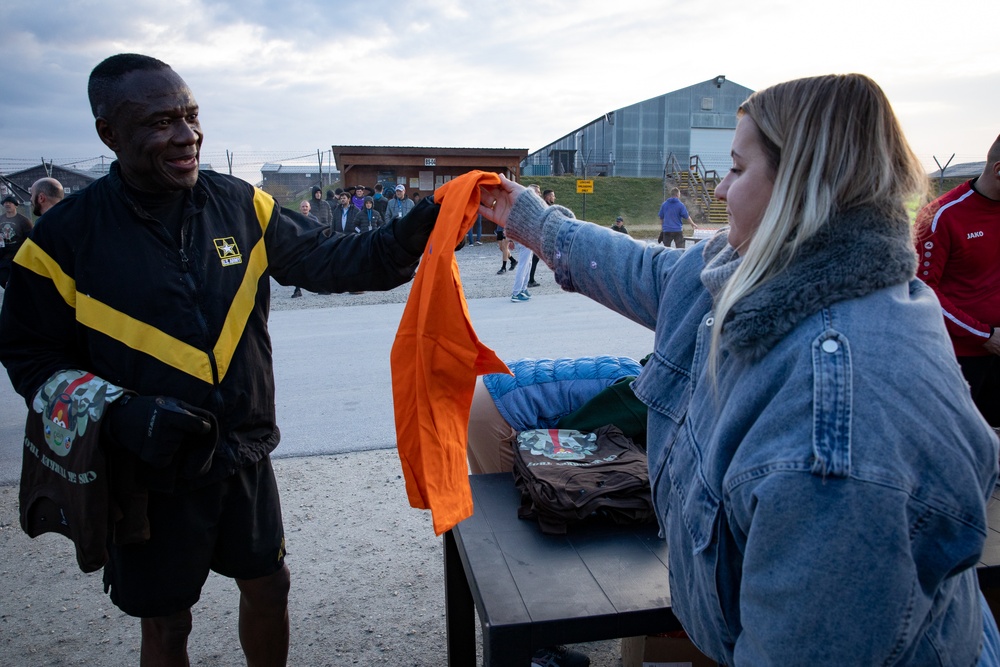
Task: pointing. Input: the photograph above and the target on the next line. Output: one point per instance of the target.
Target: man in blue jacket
(673, 214)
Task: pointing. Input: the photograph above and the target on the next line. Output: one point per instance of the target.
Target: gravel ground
(367, 579)
(367, 582)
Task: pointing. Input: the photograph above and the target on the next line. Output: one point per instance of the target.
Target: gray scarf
(855, 253)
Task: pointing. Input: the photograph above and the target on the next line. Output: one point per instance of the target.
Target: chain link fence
(242, 164)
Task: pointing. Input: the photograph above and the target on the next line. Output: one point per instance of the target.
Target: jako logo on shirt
(228, 251)
(974, 235)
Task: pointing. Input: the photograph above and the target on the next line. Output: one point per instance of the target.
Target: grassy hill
(637, 200)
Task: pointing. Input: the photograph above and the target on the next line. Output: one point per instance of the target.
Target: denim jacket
(824, 495)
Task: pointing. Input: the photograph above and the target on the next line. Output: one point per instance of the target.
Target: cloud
(298, 75)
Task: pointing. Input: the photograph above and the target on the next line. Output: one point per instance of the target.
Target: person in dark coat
(345, 216)
(368, 218)
(319, 208)
(152, 286)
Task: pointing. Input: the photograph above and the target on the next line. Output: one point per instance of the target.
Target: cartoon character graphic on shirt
(7, 233)
(68, 402)
(558, 444)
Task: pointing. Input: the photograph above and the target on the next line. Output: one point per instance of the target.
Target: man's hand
(993, 344)
(413, 229)
(161, 430)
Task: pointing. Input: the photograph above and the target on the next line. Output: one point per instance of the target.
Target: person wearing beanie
(358, 196)
(14, 230)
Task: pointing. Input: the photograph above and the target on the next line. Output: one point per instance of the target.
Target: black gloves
(413, 230)
(161, 430)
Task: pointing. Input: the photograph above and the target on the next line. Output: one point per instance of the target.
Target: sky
(276, 80)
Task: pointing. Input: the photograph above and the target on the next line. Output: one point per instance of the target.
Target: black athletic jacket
(102, 287)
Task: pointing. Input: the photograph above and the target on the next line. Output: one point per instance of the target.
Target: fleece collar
(855, 253)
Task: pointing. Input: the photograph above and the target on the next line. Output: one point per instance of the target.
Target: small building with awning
(420, 169)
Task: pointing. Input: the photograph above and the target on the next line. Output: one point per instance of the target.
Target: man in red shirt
(958, 245)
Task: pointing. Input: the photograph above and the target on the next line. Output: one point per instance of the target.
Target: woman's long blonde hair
(835, 144)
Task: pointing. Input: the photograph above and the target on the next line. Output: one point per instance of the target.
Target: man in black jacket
(320, 208)
(150, 291)
(345, 216)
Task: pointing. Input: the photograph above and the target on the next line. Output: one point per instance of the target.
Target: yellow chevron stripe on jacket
(146, 338)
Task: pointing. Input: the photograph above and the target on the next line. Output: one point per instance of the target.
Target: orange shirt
(435, 360)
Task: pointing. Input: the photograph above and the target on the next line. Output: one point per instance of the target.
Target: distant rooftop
(276, 167)
(964, 170)
(104, 167)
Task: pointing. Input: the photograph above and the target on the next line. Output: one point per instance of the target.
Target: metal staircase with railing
(699, 184)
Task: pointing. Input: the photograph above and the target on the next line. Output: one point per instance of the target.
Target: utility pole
(229, 159)
(941, 186)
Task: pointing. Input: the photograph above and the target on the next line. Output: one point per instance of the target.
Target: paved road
(332, 366)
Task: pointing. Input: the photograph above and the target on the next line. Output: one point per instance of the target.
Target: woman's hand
(496, 201)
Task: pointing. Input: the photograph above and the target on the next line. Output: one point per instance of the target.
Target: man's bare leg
(164, 640)
(264, 619)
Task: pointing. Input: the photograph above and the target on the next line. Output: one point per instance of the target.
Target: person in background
(305, 208)
(619, 225)
(504, 246)
(673, 214)
(319, 208)
(958, 247)
(170, 360)
(369, 218)
(550, 198)
(475, 230)
(399, 205)
(820, 475)
(14, 230)
(358, 198)
(380, 201)
(345, 216)
(45, 193)
(520, 293)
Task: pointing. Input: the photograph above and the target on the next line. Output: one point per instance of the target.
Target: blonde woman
(819, 469)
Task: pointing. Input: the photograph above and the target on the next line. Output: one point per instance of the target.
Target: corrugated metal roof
(276, 167)
(964, 170)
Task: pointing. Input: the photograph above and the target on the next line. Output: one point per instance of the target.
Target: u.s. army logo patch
(229, 253)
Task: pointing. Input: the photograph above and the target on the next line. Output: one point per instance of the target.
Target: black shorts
(500, 234)
(232, 527)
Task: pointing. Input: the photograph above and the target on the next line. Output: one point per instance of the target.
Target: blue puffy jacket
(542, 391)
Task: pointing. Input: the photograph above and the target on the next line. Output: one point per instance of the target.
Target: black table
(533, 590)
